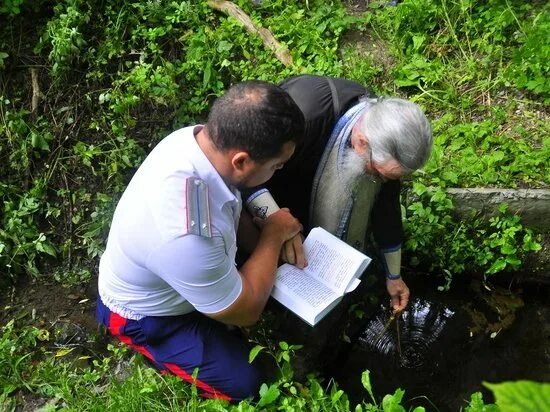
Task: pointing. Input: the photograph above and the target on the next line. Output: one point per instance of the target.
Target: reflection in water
(429, 352)
(410, 336)
(420, 350)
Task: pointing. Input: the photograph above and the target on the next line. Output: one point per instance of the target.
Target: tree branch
(231, 9)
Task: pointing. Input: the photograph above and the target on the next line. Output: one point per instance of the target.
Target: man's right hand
(399, 294)
(280, 224)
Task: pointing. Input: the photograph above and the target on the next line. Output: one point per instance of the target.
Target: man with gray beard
(345, 175)
(350, 173)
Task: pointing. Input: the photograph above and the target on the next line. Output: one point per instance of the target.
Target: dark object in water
(414, 337)
(437, 360)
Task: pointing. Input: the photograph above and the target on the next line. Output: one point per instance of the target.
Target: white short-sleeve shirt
(152, 265)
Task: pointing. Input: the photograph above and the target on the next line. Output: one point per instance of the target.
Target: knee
(245, 383)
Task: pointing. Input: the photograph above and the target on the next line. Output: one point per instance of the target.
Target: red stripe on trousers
(117, 322)
(211, 392)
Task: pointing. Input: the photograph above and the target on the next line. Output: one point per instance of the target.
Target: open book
(333, 270)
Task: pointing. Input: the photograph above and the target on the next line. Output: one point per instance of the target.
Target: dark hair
(256, 117)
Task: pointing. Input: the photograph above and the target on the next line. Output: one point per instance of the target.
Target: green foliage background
(112, 78)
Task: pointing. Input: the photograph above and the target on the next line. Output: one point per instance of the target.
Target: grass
(33, 374)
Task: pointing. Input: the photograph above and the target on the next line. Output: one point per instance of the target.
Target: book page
(333, 268)
(294, 281)
(332, 261)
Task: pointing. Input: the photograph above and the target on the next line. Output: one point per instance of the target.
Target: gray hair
(397, 128)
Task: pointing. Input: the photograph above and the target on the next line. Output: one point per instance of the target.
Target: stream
(445, 344)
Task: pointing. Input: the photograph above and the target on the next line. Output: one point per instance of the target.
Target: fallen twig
(231, 9)
(35, 90)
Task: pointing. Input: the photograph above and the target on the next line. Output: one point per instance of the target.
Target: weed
(121, 381)
(453, 247)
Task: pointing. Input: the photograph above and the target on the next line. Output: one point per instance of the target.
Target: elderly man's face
(388, 170)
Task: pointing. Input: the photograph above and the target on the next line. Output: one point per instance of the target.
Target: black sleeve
(387, 227)
(291, 186)
(322, 102)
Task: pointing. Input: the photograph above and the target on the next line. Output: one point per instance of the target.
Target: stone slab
(533, 205)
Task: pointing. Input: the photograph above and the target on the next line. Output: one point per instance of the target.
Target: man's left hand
(293, 252)
(399, 294)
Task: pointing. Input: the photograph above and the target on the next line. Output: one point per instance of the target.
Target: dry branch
(35, 90)
(231, 9)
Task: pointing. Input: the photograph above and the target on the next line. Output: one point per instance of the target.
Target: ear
(241, 162)
(359, 140)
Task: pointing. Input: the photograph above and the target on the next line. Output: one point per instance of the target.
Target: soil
(356, 7)
(67, 313)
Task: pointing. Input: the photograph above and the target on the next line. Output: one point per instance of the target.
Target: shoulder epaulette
(198, 207)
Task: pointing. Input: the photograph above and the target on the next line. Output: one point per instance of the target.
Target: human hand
(280, 224)
(399, 294)
(293, 251)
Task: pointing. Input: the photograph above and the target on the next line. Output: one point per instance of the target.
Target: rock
(533, 205)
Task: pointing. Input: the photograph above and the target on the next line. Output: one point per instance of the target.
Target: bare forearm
(259, 270)
(248, 234)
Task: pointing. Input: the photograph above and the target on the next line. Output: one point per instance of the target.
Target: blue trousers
(179, 344)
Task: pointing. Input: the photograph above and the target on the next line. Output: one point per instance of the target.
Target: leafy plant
(524, 396)
(529, 69)
(64, 34)
(453, 247)
(476, 404)
(15, 359)
(10, 7)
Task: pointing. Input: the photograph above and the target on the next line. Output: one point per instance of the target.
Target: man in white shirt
(167, 280)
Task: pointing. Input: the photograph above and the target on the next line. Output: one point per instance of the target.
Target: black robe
(323, 104)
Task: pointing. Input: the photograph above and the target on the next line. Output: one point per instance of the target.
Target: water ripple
(408, 338)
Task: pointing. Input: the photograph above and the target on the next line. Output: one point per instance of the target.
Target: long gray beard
(352, 170)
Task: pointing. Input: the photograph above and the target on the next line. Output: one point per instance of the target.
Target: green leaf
(207, 75)
(254, 352)
(513, 261)
(406, 82)
(268, 395)
(477, 405)
(283, 345)
(38, 142)
(49, 249)
(224, 45)
(497, 266)
(521, 396)
(336, 396)
(365, 380)
(418, 40)
(503, 207)
(508, 249)
(392, 403)
(450, 176)
(3, 56)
